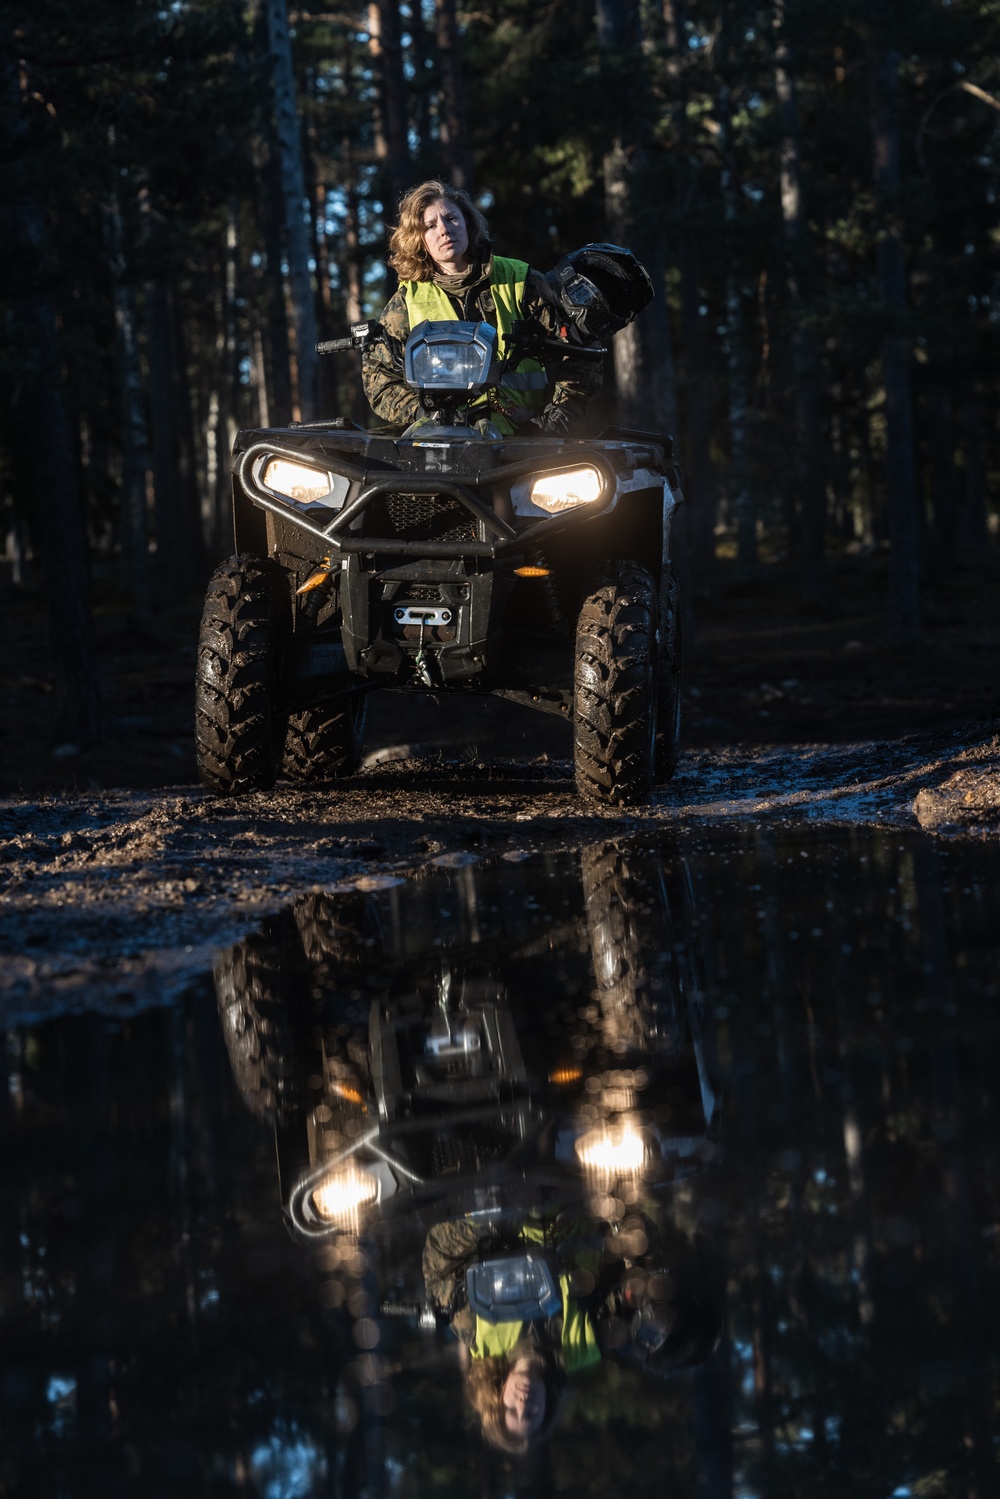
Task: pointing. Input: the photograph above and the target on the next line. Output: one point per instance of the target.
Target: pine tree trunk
(289, 140)
(697, 520)
(939, 426)
(391, 142)
(179, 550)
(279, 360)
(809, 467)
(454, 125)
(645, 378)
(742, 501)
(972, 538)
(136, 573)
(901, 482)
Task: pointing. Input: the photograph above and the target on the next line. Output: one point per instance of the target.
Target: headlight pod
(554, 493)
(613, 1150)
(298, 481)
(338, 1198)
(449, 356)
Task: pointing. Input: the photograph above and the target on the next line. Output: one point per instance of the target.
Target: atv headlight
(449, 356)
(338, 1196)
(613, 1150)
(297, 481)
(554, 493)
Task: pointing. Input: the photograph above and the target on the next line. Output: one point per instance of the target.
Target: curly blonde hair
(407, 252)
(484, 1383)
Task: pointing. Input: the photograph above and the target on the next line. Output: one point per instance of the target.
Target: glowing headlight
(612, 1150)
(449, 366)
(339, 1196)
(295, 480)
(562, 491)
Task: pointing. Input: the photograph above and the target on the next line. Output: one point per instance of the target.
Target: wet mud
(123, 896)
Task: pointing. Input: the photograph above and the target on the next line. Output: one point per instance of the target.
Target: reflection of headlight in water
(339, 1196)
(612, 1150)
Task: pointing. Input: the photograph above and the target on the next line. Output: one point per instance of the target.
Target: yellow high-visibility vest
(523, 387)
(579, 1343)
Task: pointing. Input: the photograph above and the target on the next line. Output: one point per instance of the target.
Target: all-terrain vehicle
(396, 1042)
(450, 559)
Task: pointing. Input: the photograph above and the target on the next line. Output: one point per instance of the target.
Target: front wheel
(670, 668)
(326, 742)
(238, 733)
(615, 697)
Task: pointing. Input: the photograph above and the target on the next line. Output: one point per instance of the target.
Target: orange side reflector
(351, 1094)
(564, 1075)
(314, 580)
(531, 572)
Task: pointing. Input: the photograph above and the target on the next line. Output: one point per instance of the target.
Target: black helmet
(600, 289)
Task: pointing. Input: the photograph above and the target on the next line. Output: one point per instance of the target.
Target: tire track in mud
(115, 900)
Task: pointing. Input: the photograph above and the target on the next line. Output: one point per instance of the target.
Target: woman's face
(446, 236)
(524, 1400)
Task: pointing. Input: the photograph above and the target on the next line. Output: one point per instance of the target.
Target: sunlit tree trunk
(391, 139)
(294, 190)
(454, 124)
(272, 297)
(900, 479)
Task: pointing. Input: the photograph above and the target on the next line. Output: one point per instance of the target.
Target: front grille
(478, 1145)
(419, 517)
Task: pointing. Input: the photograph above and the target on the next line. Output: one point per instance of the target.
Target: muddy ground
(120, 877)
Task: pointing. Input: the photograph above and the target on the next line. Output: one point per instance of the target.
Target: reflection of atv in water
(442, 1048)
(449, 559)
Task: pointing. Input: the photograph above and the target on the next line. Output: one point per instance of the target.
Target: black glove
(553, 421)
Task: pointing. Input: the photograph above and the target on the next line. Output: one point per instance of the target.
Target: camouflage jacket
(575, 380)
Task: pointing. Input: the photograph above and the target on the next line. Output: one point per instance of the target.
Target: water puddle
(655, 1165)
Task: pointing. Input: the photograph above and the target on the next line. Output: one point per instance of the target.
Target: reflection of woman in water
(517, 1371)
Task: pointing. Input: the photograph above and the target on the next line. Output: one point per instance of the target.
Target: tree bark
(698, 517)
(454, 125)
(289, 140)
(972, 538)
(645, 378)
(809, 469)
(900, 480)
(939, 426)
(179, 550)
(742, 501)
(279, 354)
(391, 140)
(133, 515)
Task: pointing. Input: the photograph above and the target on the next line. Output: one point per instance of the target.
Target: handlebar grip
(335, 345)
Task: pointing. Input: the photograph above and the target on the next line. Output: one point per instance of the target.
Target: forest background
(194, 192)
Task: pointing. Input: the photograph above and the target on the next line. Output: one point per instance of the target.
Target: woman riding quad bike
(478, 550)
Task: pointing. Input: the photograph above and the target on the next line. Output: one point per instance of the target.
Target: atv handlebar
(360, 336)
(528, 337)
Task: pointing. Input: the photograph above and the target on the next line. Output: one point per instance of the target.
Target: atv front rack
(337, 534)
